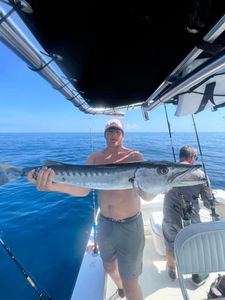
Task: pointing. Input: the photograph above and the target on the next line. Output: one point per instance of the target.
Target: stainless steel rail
(12, 37)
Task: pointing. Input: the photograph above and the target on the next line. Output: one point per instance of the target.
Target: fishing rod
(214, 215)
(170, 133)
(186, 208)
(42, 295)
(95, 248)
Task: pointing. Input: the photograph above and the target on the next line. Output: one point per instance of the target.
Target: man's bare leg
(112, 269)
(132, 289)
(171, 264)
(170, 259)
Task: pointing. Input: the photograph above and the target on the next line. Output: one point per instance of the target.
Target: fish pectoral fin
(52, 163)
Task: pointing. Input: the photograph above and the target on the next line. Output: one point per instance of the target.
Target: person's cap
(114, 123)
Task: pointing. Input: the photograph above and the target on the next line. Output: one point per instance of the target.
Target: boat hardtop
(118, 56)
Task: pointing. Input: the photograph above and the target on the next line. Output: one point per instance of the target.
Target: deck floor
(155, 283)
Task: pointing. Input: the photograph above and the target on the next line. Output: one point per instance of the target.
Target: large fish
(150, 176)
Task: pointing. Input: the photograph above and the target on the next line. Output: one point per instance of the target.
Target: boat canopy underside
(120, 53)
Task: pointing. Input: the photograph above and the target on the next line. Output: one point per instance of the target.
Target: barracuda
(150, 176)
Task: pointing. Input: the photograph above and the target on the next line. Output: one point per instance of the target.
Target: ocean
(48, 232)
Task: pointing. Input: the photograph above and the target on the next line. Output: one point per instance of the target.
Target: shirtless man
(120, 231)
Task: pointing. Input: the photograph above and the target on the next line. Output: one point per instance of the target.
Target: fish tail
(9, 173)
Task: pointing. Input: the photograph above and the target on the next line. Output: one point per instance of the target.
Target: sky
(28, 103)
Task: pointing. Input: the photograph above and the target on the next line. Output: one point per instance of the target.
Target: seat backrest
(200, 248)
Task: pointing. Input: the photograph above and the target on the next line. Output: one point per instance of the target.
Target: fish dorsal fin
(52, 163)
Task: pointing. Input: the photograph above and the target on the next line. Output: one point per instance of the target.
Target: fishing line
(170, 133)
(214, 215)
(42, 295)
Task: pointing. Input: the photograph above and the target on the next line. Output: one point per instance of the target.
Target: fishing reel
(188, 210)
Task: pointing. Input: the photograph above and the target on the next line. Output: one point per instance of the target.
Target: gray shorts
(169, 233)
(123, 240)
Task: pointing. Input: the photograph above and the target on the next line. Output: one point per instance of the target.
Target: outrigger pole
(214, 215)
(42, 295)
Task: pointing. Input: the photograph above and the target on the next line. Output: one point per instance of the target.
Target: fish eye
(162, 170)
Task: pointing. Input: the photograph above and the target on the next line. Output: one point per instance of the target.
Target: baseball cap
(114, 123)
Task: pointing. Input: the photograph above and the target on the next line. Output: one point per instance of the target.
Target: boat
(123, 55)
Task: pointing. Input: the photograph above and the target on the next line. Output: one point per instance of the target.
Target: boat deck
(155, 283)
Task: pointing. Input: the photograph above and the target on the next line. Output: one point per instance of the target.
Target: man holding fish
(121, 177)
(120, 231)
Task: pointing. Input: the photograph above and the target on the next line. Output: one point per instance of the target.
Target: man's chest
(112, 158)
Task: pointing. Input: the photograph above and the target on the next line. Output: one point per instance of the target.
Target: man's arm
(207, 196)
(45, 182)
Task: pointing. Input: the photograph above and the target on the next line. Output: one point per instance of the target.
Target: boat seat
(199, 248)
(156, 218)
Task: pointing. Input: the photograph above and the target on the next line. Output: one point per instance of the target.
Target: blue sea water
(47, 232)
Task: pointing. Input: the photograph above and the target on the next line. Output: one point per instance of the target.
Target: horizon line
(126, 131)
